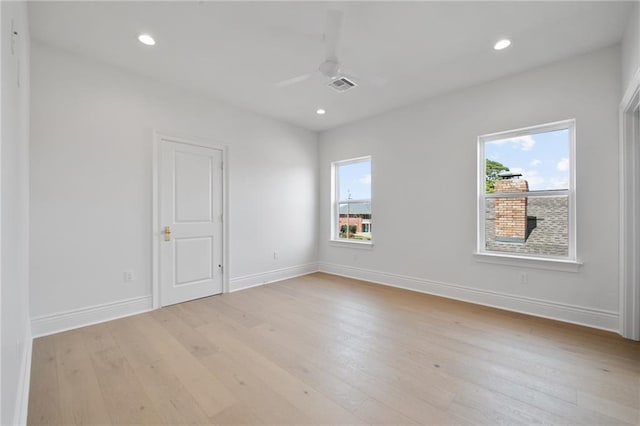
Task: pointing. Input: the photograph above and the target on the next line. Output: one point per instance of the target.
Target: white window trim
(568, 263)
(335, 206)
(365, 245)
(509, 259)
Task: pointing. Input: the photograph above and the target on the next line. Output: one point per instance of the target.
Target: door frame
(156, 232)
(629, 272)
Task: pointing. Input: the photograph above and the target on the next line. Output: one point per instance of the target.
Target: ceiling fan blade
(294, 80)
(332, 34)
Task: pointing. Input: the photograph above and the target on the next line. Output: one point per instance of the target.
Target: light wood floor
(327, 350)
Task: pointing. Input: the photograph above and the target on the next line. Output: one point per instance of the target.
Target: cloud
(535, 182)
(563, 165)
(532, 177)
(535, 163)
(365, 180)
(524, 143)
(561, 183)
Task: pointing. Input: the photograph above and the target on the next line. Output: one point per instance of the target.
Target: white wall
(631, 47)
(91, 182)
(14, 295)
(424, 191)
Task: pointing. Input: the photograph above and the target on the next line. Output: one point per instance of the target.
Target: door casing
(630, 211)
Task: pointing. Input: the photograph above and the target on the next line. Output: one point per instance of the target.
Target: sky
(542, 158)
(355, 179)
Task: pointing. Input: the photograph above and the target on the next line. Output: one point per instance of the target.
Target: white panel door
(190, 219)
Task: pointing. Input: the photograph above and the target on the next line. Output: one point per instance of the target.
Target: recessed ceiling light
(320, 111)
(146, 39)
(502, 44)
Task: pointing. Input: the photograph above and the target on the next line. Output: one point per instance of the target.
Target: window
(526, 187)
(351, 207)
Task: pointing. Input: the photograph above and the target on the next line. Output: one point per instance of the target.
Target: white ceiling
(237, 51)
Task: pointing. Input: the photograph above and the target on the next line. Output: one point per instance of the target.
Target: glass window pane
(354, 221)
(353, 199)
(354, 181)
(528, 225)
(540, 159)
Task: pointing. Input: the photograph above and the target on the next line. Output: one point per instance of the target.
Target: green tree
(492, 168)
(352, 230)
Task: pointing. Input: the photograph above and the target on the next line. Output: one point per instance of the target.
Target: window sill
(366, 245)
(529, 262)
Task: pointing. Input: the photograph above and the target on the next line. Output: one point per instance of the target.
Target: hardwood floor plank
(321, 349)
(609, 408)
(136, 346)
(184, 333)
(256, 395)
(183, 312)
(98, 337)
(44, 395)
(210, 393)
(169, 396)
(123, 393)
(389, 394)
(321, 379)
(81, 401)
(528, 352)
(167, 393)
(373, 355)
(237, 414)
(308, 400)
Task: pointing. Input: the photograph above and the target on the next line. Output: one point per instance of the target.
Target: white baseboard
(22, 398)
(55, 323)
(255, 280)
(595, 318)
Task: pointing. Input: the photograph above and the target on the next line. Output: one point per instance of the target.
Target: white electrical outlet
(524, 278)
(275, 255)
(128, 276)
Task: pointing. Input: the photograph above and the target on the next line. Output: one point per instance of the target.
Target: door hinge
(221, 218)
(221, 268)
(222, 165)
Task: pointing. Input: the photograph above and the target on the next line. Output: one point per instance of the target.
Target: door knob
(167, 233)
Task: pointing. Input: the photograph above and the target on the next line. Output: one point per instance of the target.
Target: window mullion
(553, 193)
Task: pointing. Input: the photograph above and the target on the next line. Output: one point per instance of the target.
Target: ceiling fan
(331, 68)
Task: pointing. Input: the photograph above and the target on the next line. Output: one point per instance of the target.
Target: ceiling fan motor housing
(329, 68)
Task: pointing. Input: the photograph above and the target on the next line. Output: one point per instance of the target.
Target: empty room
(328, 213)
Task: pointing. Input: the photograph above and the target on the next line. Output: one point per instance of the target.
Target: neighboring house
(358, 214)
(533, 225)
(547, 231)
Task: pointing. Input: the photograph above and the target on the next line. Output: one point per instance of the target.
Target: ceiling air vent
(342, 84)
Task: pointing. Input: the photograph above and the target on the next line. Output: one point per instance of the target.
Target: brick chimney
(511, 213)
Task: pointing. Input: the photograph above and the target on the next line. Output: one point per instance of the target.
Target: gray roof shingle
(356, 208)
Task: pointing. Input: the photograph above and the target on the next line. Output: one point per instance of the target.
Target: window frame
(335, 203)
(531, 259)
